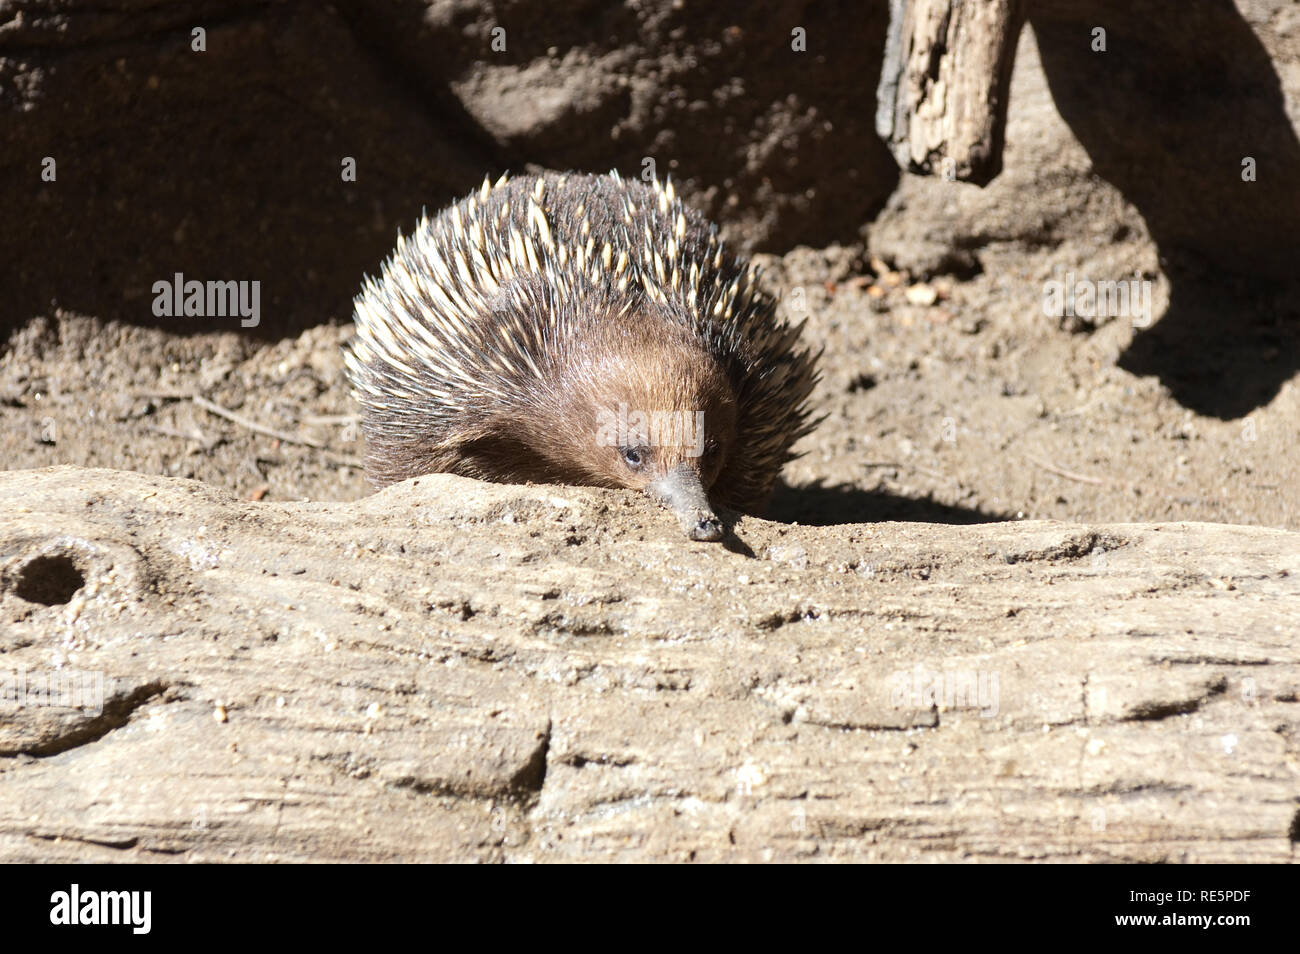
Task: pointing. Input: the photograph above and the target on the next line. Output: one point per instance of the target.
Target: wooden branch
(941, 105)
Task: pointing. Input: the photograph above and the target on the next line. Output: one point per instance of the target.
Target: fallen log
(454, 670)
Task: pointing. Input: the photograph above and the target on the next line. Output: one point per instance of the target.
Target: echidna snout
(681, 490)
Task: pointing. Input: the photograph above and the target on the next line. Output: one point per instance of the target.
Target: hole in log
(49, 580)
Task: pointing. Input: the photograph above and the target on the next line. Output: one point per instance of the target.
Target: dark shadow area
(818, 505)
(1181, 96)
(772, 143)
(222, 165)
(733, 543)
(1224, 347)
(226, 165)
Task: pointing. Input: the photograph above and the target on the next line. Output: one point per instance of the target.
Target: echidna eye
(634, 457)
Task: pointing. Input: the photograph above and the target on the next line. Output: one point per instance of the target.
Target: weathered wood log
(454, 670)
(942, 100)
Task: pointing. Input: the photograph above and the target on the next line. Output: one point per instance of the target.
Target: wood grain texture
(942, 100)
(451, 670)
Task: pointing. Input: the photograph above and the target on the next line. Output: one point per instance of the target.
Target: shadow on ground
(1174, 113)
(818, 505)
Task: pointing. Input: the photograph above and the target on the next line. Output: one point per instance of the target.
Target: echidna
(579, 329)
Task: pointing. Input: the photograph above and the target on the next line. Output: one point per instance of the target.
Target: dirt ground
(950, 401)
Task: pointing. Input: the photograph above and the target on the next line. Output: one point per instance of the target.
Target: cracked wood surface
(941, 103)
(452, 670)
